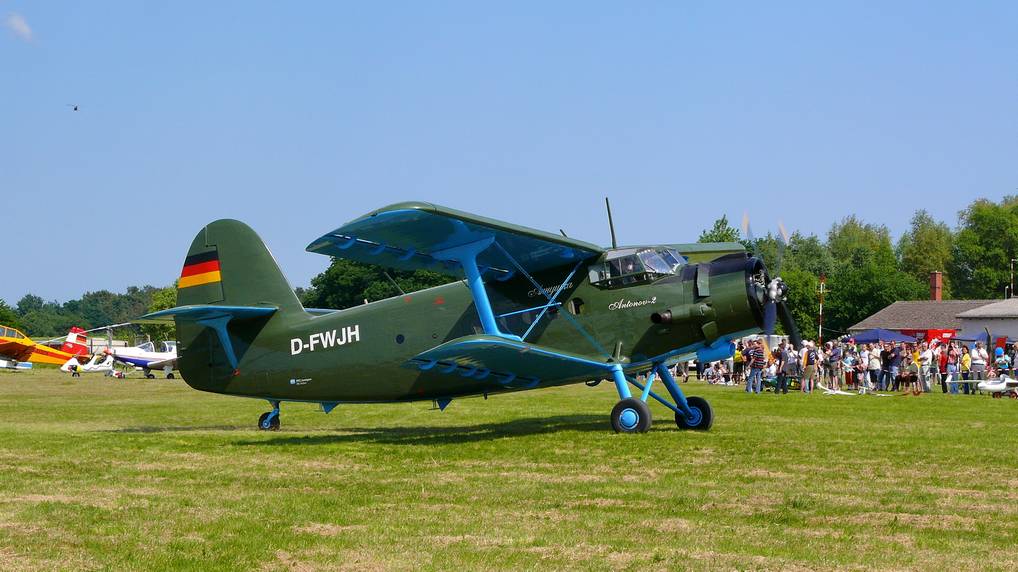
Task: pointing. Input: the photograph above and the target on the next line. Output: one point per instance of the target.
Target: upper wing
(411, 236)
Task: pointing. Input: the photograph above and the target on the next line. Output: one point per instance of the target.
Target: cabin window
(575, 306)
(623, 267)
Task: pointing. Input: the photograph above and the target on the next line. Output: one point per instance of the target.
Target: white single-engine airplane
(145, 357)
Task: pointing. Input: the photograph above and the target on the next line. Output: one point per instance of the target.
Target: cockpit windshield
(655, 262)
(635, 265)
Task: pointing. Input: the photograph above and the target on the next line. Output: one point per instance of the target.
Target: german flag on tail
(199, 269)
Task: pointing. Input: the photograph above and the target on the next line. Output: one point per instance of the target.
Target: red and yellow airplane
(19, 347)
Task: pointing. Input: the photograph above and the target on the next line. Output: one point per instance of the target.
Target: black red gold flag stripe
(201, 268)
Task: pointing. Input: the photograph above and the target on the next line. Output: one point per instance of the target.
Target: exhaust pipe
(685, 312)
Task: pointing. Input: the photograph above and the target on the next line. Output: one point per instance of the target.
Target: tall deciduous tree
(720, 232)
(925, 248)
(986, 241)
(346, 283)
(163, 299)
(8, 317)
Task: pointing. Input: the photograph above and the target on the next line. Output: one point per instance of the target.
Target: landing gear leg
(630, 415)
(692, 413)
(269, 421)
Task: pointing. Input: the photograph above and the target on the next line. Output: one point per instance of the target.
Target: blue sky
(298, 117)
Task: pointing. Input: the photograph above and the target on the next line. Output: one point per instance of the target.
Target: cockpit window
(634, 266)
(672, 257)
(655, 263)
(624, 266)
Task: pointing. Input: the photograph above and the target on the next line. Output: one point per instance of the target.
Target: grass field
(151, 475)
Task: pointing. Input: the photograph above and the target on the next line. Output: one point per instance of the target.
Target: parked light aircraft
(145, 357)
(93, 365)
(1000, 387)
(535, 310)
(20, 348)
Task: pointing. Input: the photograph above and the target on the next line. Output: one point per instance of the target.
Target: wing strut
(466, 255)
(551, 299)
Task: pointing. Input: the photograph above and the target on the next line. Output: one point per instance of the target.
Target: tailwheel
(631, 416)
(702, 415)
(269, 421)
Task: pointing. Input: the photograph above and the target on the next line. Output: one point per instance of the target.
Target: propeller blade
(788, 323)
(770, 317)
(782, 246)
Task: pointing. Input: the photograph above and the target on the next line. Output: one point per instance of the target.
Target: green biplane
(533, 309)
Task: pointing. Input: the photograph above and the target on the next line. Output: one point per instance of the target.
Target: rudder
(229, 264)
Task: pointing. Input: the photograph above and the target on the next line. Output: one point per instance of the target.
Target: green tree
(9, 317)
(986, 241)
(163, 299)
(346, 283)
(926, 247)
(852, 242)
(29, 303)
(720, 232)
(859, 292)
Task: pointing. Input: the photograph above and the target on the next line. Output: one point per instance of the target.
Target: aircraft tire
(271, 426)
(631, 416)
(75, 374)
(169, 376)
(150, 376)
(703, 415)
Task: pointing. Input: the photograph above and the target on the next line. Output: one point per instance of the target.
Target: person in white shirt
(925, 359)
(979, 359)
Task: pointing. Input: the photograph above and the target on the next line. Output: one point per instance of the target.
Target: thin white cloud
(16, 23)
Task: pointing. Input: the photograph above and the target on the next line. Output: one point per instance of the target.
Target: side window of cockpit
(624, 265)
(672, 257)
(655, 263)
(575, 306)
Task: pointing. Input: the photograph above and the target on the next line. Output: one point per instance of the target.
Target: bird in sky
(73, 106)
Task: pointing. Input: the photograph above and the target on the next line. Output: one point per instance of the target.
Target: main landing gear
(269, 421)
(632, 415)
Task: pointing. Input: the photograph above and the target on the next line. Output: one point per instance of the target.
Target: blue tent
(879, 335)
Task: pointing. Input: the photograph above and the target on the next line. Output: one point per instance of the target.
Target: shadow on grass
(172, 429)
(431, 435)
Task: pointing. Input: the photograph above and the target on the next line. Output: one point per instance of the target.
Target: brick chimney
(936, 285)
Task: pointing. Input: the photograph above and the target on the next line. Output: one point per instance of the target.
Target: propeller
(775, 303)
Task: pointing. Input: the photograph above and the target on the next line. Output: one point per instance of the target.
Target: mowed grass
(140, 474)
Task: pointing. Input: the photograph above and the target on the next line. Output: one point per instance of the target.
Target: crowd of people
(845, 365)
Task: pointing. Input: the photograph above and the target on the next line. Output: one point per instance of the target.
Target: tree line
(865, 271)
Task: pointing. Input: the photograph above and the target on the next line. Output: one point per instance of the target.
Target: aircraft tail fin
(76, 342)
(229, 265)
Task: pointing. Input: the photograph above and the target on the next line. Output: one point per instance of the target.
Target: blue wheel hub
(695, 416)
(629, 418)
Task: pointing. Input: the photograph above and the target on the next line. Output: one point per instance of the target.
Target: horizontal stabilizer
(201, 312)
(215, 318)
(507, 361)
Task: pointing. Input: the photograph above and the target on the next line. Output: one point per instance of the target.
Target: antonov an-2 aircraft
(533, 309)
